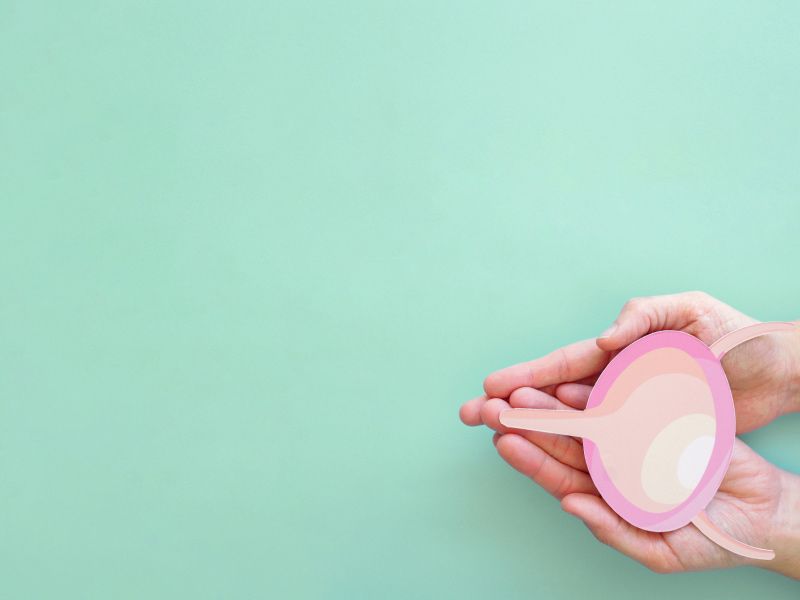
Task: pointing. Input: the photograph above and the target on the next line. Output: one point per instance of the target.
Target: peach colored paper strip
(721, 538)
(734, 338)
(580, 423)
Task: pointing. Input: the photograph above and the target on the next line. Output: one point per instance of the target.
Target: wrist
(785, 530)
(792, 346)
(789, 355)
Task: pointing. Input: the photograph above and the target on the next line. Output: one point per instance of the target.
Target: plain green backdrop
(255, 255)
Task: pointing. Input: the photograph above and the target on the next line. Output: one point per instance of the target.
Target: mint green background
(254, 255)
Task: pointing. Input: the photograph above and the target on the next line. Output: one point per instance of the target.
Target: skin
(757, 502)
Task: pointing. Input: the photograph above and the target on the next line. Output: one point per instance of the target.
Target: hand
(757, 502)
(764, 373)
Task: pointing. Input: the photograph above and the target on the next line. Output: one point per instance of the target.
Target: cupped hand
(756, 503)
(764, 373)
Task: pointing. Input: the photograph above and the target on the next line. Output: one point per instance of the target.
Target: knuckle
(563, 486)
(658, 567)
(564, 446)
(486, 411)
(634, 304)
(698, 295)
(561, 364)
(538, 469)
(601, 536)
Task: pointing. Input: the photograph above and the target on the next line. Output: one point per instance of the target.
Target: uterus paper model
(658, 431)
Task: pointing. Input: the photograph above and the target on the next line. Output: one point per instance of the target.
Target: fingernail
(609, 332)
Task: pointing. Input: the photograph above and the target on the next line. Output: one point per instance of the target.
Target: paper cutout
(658, 431)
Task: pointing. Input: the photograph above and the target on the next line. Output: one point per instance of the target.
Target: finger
(641, 316)
(528, 397)
(645, 547)
(554, 476)
(592, 379)
(574, 395)
(563, 448)
(490, 414)
(569, 363)
(470, 411)
(548, 389)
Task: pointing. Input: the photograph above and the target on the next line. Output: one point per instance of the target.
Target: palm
(746, 502)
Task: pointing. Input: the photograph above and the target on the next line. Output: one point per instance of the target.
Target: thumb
(641, 316)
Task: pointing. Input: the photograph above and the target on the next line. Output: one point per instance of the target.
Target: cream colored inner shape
(677, 458)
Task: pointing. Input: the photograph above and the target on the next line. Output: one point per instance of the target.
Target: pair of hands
(757, 502)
